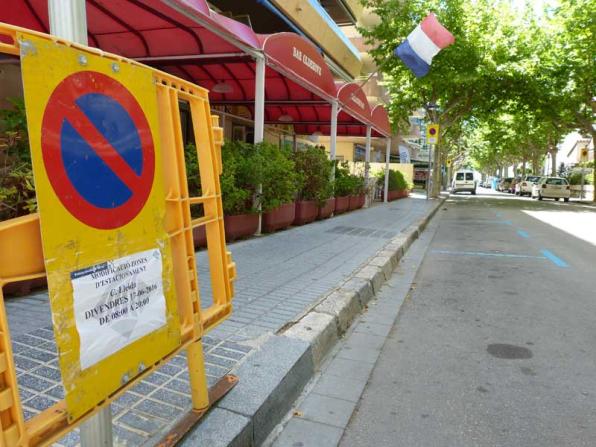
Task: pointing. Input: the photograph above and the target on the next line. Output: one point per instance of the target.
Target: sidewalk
(322, 413)
(280, 277)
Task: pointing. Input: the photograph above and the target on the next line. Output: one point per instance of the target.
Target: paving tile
(158, 409)
(39, 403)
(373, 328)
(359, 353)
(41, 356)
(182, 386)
(126, 437)
(349, 368)
(327, 410)
(157, 378)
(304, 433)
(172, 398)
(128, 399)
(143, 388)
(48, 373)
(72, 439)
(56, 392)
(236, 347)
(25, 363)
(233, 355)
(220, 361)
(34, 383)
(339, 387)
(140, 422)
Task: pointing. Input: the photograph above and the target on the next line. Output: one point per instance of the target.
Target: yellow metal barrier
(21, 254)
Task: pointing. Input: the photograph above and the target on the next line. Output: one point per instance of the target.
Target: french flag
(427, 39)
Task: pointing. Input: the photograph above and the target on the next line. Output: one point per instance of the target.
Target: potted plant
(314, 170)
(343, 187)
(17, 191)
(358, 197)
(239, 180)
(397, 187)
(280, 183)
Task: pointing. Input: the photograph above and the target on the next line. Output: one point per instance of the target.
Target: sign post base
(97, 430)
(188, 421)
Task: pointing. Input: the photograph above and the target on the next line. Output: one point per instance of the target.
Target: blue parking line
(554, 259)
(523, 233)
(480, 253)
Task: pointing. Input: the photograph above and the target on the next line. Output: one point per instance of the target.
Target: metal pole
(428, 171)
(259, 122)
(387, 158)
(260, 100)
(333, 136)
(68, 20)
(97, 430)
(367, 160)
(581, 194)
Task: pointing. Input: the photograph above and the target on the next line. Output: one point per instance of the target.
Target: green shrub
(397, 181)
(193, 176)
(575, 178)
(347, 184)
(277, 175)
(314, 170)
(240, 177)
(17, 191)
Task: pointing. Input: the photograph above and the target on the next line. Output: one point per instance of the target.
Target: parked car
(525, 186)
(514, 182)
(552, 188)
(504, 184)
(463, 181)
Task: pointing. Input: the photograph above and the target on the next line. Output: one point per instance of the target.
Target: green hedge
(397, 181)
(246, 166)
(314, 170)
(347, 184)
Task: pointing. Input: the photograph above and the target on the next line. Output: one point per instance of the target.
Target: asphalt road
(495, 344)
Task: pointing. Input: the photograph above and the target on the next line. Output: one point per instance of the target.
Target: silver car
(552, 188)
(524, 187)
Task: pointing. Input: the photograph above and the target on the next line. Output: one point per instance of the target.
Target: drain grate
(362, 232)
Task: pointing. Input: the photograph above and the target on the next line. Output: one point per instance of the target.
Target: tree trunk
(553, 168)
(593, 164)
(436, 186)
(524, 162)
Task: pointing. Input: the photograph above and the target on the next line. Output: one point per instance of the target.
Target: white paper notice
(117, 302)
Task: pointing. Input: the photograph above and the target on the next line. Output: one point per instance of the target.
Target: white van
(463, 181)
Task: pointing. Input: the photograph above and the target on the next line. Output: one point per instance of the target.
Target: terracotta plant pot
(279, 218)
(25, 287)
(199, 236)
(240, 226)
(357, 202)
(306, 212)
(342, 204)
(393, 195)
(327, 209)
(404, 193)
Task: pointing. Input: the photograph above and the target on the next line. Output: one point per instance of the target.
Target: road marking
(554, 259)
(480, 253)
(523, 233)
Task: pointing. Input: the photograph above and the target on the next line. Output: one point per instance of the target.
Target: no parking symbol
(98, 150)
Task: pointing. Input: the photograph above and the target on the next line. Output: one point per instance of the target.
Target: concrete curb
(275, 375)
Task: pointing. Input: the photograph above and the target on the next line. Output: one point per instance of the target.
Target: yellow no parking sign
(93, 129)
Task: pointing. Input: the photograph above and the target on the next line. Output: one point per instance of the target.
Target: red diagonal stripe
(101, 146)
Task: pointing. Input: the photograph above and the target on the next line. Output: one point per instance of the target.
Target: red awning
(380, 121)
(185, 38)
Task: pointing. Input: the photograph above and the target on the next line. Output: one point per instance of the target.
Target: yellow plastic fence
(21, 254)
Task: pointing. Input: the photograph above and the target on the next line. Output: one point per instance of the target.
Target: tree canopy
(513, 84)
